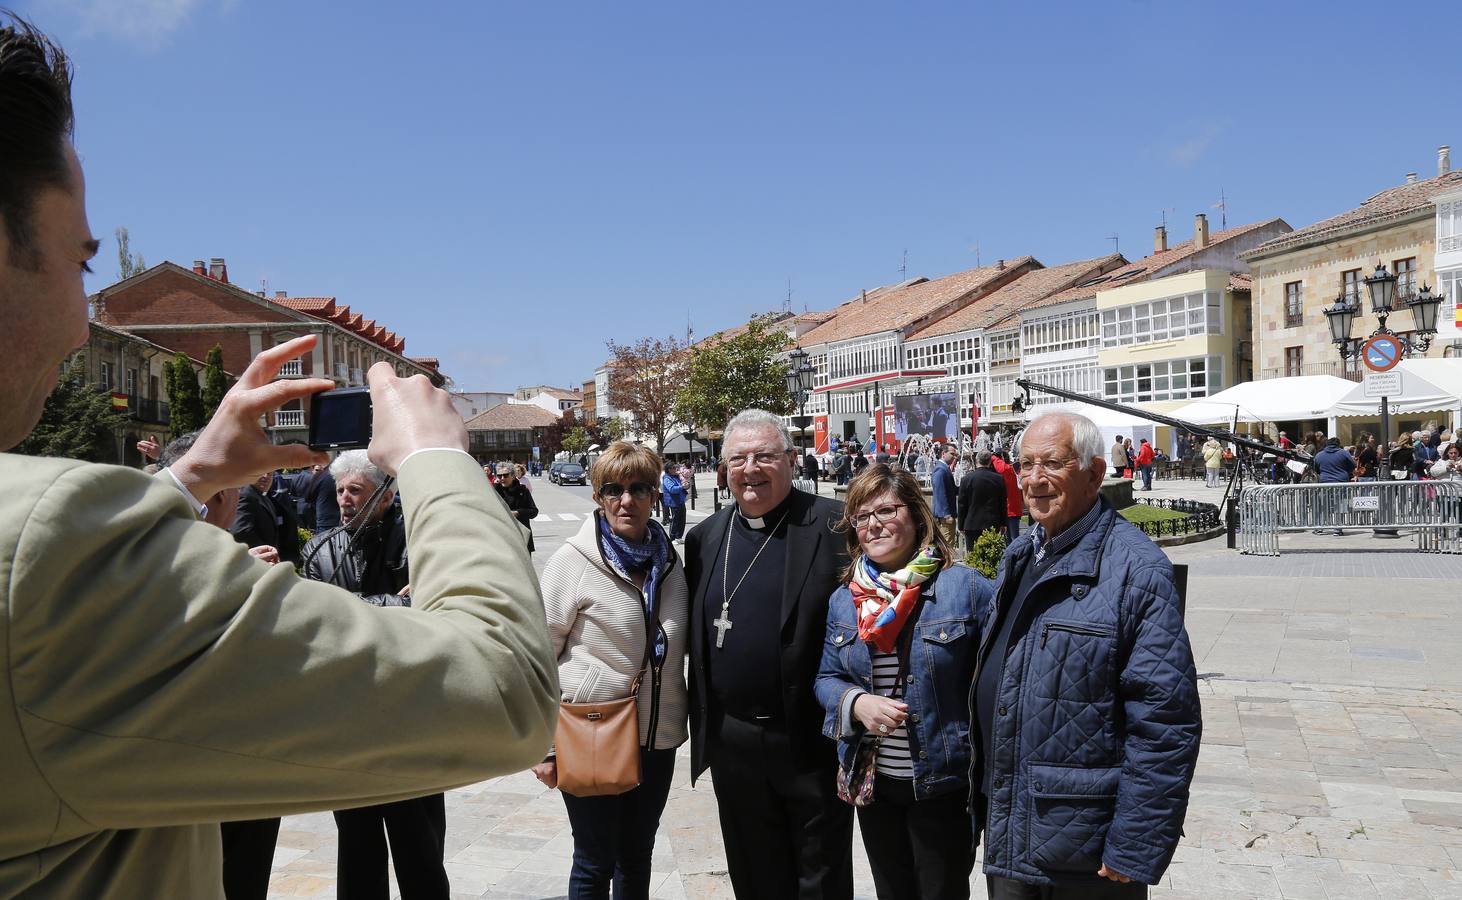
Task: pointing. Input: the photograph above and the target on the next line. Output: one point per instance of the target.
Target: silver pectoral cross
(722, 625)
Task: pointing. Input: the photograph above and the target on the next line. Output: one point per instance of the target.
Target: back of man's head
(176, 448)
(35, 126)
(984, 459)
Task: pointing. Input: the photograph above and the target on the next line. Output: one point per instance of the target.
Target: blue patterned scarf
(653, 557)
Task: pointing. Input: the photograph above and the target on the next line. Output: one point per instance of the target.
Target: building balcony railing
(1336, 367)
(357, 376)
(142, 410)
(342, 371)
(289, 418)
(1293, 319)
(292, 369)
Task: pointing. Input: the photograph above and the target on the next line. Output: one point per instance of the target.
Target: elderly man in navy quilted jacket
(1084, 705)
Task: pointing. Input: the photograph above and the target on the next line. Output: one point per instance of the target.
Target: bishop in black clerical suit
(757, 628)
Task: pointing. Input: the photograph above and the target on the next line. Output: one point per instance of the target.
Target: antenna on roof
(904, 266)
(1170, 209)
(787, 304)
(1116, 242)
(976, 248)
(1222, 207)
(689, 332)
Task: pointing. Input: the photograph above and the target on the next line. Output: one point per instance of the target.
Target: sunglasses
(612, 491)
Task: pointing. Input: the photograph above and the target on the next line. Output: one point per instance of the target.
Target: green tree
(643, 379)
(184, 398)
(741, 371)
(127, 264)
(611, 430)
(78, 421)
(577, 440)
(215, 381)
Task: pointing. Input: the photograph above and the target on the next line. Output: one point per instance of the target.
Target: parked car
(571, 473)
(553, 470)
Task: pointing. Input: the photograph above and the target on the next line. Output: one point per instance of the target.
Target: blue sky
(508, 186)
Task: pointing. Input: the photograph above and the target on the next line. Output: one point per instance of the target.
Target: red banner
(974, 415)
(819, 435)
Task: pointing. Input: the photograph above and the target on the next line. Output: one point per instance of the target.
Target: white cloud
(1187, 152)
(146, 22)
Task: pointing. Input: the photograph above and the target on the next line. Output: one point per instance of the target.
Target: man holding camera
(155, 677)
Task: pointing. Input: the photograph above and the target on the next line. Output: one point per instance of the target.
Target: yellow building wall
(1184, 347)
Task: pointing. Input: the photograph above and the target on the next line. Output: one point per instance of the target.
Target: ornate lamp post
(799, 384)
(1381, 287)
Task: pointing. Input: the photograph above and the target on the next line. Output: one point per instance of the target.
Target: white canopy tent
(1111, 422)
(1427, 385)
(1271, 400)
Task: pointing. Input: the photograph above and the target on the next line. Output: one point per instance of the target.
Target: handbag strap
(652, 627)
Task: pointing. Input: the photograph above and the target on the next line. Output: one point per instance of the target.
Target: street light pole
(1381, 286)
(799, 384)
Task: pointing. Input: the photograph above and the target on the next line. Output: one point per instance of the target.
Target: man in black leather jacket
(367, 555)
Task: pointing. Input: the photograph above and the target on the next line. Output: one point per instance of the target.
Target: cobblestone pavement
(1332, 748)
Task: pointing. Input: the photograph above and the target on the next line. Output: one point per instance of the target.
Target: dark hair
(36, 118)
(873, 482)
(176, 448)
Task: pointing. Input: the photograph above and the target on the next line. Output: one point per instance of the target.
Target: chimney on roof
(281, 293)
(865, 295)
(1160, 239)
(260, 293)
(1200, 231)
(218, 269)
(1444, 160)
(199, 268)
(999, 264)
(1411, 178)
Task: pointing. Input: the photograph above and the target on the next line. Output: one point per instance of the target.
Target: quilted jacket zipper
(1090, 630)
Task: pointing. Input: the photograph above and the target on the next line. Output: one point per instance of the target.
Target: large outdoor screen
(936, 415)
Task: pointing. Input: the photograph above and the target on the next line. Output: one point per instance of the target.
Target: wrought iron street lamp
(1381, 287)
(799, 384)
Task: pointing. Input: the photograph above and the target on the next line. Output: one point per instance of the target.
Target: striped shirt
(894, 757)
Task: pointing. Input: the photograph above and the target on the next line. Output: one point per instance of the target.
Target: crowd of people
(822, 659)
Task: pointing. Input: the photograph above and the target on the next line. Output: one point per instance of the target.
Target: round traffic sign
(1381, 353)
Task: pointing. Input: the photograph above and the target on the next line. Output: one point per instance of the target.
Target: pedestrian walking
(672, 499)
(518, 498)
(981, 501)
(1014, 504)
(1144, 464)
(897, 662)
(616, 601)
(1119, 458)
(1212, 461)
(946, 495)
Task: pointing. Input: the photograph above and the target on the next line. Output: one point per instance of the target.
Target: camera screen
(340, 419)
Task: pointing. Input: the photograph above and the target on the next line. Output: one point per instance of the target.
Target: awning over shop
(677, 445)
(1271, 400)
(1427, 385)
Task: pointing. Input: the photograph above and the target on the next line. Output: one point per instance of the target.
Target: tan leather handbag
(598, 744)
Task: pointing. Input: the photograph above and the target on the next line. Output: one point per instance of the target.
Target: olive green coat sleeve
(156, 675)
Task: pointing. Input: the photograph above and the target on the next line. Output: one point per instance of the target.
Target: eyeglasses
(882, 515)
(613, 491)
(1049, 466)
(764, 458)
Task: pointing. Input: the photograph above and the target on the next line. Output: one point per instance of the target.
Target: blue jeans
(614, 836)
(1146, 477)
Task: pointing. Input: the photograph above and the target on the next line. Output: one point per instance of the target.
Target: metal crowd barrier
(1433, 508)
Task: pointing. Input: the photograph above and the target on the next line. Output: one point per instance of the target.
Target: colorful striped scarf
(885, 599)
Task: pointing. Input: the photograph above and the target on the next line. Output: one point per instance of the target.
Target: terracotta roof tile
(1240, 281)
(1144, 268)
(322, 306)
(1027, 290)
(512, 415)
(1394, 203)
(898, 306)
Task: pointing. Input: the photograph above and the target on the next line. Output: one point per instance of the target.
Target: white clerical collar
(773, 518)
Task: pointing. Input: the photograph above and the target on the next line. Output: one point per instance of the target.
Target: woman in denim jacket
(895, 680)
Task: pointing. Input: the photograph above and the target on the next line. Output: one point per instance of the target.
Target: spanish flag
(119, 401)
